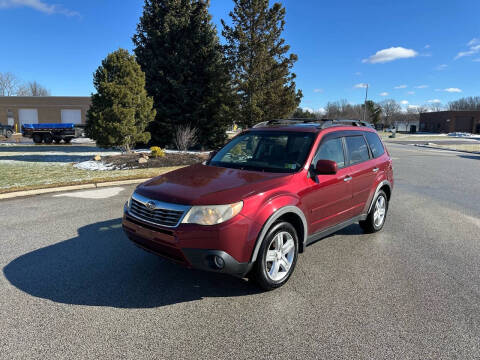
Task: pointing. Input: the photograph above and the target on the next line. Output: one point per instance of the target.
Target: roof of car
(310, 125)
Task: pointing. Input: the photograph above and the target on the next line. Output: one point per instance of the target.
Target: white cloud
(412, 106)
(474, 41)
(411, 92)
(358, 73)
(404, 102)
(384, 93)
(441, 67)
(390, 54)
(318, 90)
(476, 60)
(427, 46)
(361, 86)
(401, 87)
(434, 101)
(38, 5)
(474, 48)
(453, 90)
(421, 87)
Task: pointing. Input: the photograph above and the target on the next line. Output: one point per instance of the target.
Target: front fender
(269, 213)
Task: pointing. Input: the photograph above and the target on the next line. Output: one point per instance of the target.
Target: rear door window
(357, 149)
(332, 150)
(375, 144)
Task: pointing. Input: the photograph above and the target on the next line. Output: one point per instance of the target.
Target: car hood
(209, 185)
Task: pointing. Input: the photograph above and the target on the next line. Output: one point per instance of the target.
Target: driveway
(72, 285)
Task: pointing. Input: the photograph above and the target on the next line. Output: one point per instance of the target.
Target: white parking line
(103, 193)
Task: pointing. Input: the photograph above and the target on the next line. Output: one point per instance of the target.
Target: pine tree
(260, 65)
(121, 109)
(178, 48)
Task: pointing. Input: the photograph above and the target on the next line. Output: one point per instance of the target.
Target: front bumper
(193, 247)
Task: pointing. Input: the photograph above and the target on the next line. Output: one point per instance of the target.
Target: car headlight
(212, 214)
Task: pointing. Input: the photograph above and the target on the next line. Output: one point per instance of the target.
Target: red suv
(266, 195)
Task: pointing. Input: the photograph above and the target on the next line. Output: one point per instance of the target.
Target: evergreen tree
(178, 48)
(260, 65)
(121, 109)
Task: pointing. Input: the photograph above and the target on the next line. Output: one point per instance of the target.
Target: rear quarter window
(375, 144)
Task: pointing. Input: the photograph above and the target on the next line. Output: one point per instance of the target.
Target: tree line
(386, 113)
(195, 84)
(11, 85)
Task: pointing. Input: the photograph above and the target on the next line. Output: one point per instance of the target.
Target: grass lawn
(16, 176)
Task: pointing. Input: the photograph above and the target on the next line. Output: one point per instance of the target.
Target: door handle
(347, 178)
(375, 170)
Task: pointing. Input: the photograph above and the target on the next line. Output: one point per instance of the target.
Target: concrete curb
(16, 194)
(444, 149)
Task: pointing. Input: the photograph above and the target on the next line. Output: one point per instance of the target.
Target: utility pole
(365, 103)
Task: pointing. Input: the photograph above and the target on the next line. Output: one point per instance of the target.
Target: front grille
(159, 215)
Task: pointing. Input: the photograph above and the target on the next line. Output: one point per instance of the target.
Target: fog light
(219, 262)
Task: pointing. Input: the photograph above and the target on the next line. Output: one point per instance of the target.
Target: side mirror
(326, 167)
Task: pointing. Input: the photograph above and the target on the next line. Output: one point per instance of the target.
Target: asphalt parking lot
(73, 287)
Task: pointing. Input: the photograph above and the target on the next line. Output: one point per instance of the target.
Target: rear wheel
(377, 215)
(9, 134)
(48, 138)
(277, 257)
(37, 138)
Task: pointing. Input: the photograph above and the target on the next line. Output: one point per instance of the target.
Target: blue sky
(415, 51)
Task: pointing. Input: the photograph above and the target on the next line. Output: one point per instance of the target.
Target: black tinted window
(375, 144)
(357, 149)
(332, 150)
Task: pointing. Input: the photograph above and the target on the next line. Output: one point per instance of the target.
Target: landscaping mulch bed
(129, 161)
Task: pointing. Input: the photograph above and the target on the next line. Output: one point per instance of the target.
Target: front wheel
(9, 134)
(277, 257)
(377, 215)
(37, 138)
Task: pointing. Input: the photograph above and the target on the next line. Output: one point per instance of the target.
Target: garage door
(71, 116)
(28, 116)
(464, 124)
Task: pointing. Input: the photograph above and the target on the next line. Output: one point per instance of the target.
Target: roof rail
(320, 123)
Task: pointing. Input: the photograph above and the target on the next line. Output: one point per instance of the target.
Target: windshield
(270, 151)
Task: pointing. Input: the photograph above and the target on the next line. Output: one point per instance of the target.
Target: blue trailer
(49, 133)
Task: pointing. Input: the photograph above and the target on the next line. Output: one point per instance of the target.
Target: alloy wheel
(280, 256)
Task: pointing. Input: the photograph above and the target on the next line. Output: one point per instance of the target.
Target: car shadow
(472, 156)
(101, 267)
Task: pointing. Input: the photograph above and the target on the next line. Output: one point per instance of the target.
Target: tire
(57, 140)
(67, 140)
(8, 134)
(271, 274)
(37, 138)
(48, 138)
(373, 223)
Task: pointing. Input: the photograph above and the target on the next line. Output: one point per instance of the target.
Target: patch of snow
(93, 165)
(82, 141)
(187, 152)
(463, 134)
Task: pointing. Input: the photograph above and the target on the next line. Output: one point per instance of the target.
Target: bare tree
(466, 103)
(185, 137)
(33, 88)
(390, 109)
(9, 84)
(436, 107)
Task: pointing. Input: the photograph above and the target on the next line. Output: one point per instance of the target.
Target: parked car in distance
(6, 130)
(49, 133)
(267, 194)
